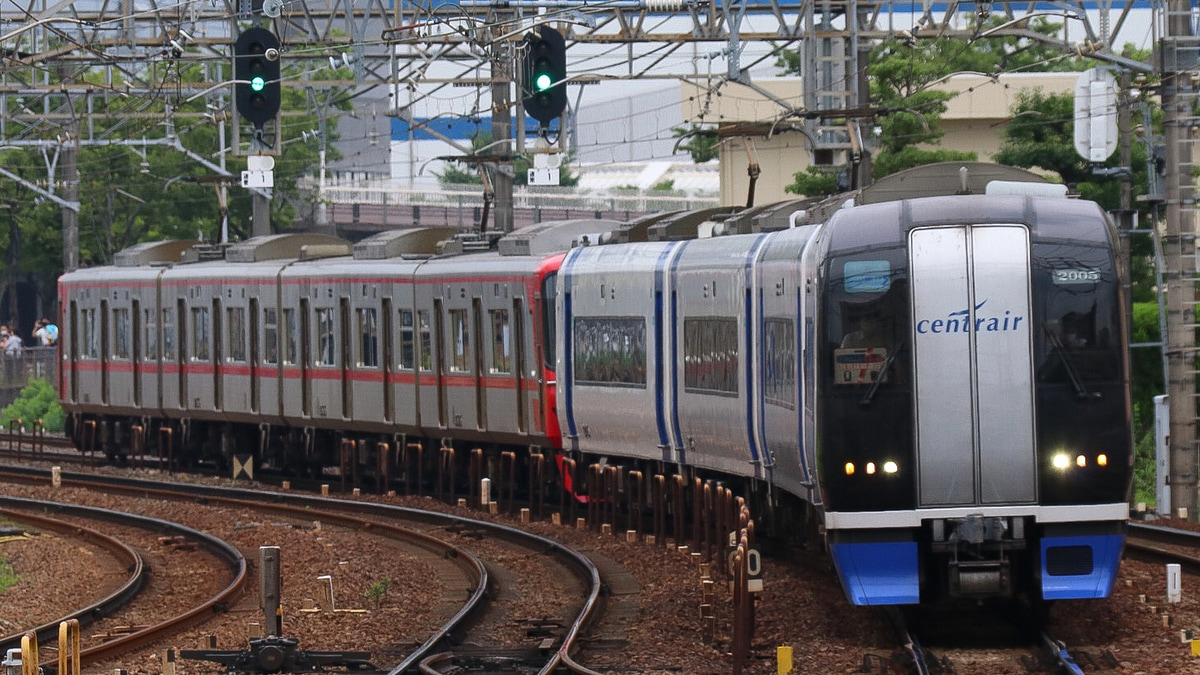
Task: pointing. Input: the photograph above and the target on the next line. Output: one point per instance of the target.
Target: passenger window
(121, 333)
(501, 342)
(326, 338)
(91, 341)
(407, 355)
(236, 320)
(368, 333)
(460, 337)
(426, 341)
(779, 362)
(199, 334)
(270, 336)
(610, 351)
(289, 334)
(710, 355)
(168, 328)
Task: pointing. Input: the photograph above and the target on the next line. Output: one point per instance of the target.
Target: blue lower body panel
(883, 573)
(1080, 567)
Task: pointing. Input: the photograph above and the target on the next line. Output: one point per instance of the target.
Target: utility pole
(1178, 58)
(502, 177)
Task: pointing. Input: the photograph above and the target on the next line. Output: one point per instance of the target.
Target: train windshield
(865, 323)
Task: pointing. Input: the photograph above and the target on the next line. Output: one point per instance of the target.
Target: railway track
(29, 510)
(465, 640)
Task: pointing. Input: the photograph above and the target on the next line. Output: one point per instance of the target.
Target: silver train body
(939, 382)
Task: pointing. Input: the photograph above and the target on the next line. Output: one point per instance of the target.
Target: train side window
(199, 334)
(549, 319)
(610, 351)
(270, 336)
(289, 336)
(779, 362)
(460, 336)
(150, 342)
(368, 334)
(235, 320)
(407, 354)
(426, 355)
(501, 342)
(91, 342)
(168, 328)
(710, 355)
(121, 333)
(326, 340)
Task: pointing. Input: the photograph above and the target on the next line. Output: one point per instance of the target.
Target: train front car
(974, 410)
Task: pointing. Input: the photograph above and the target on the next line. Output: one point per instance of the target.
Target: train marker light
(870, 468)
(1102, 459)
(890, 467)
(1061, 461)
(849, 468)
(1081, 461)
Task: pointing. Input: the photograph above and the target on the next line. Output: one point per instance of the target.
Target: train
(928, 376)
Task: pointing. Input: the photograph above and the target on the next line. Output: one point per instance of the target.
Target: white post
(1174, 581)
(485, 492)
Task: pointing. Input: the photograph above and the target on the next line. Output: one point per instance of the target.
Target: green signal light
(543, 81)
(257, 83)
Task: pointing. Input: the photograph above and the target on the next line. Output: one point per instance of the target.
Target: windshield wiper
(1057, 346)
(869, 397)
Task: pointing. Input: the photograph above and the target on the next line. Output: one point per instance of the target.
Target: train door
(182, 352)
(73, 345)
(387, 357)
(477, 362)
(254, 355)
(218, 359)
(135, 351)
(514, 335)
(439, 360)
(104, 360)
(973, 383)
(303, 357)
(347, 358)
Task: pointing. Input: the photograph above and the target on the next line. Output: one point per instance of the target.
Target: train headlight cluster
(1063, 460)
(871, 468)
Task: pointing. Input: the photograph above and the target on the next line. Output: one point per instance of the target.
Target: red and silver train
(940, 381)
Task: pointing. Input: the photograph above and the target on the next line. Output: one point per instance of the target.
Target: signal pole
(502, 176)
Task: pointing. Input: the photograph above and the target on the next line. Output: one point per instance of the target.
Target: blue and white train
(932, 372)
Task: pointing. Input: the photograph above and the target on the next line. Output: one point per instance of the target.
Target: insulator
(664, 5)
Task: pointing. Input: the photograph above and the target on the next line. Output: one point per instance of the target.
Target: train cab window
(199, 334)
(150, 340)
(407, 353)
(368, 338)
(460, 337)
(779, 362)
(865, 308)
(426, 335)
(326, 338)
(121, 333)
(289, 337)
(235, 321)
(610, 351)
(501, 342)
(91, 338)
(168, 329)
(270, 336)
(1080, 327)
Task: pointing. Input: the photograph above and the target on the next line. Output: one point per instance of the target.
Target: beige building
(754, 124)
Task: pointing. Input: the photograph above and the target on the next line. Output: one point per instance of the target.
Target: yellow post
(68, 647)
(29, 654)
(1195, 647)
(783, 659)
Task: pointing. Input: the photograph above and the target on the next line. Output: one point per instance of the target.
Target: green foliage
(1143, 467)
(8, 577)
(378, 591)
(702, 144)
(815, 181)
(37, 401)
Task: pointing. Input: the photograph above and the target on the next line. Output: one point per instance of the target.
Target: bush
(37, 401)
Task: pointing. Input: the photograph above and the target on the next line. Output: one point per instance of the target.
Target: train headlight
(870, 468)
(1081, 461)
(1102, 459)
(890, 467)
(1061, 461)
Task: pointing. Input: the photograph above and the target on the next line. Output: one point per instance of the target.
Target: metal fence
(17, 371)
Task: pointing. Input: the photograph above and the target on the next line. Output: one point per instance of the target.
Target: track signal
(545, 68)
(256, 69)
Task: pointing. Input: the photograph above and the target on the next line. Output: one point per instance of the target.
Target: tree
(703, 144)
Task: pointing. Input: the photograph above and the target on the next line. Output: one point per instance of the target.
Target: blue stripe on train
(882, 573)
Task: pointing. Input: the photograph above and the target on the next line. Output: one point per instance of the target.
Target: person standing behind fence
(45, 332)
(11, 341)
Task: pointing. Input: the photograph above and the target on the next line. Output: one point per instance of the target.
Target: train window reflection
(710, 355)
(610, 351)
(779, 362)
